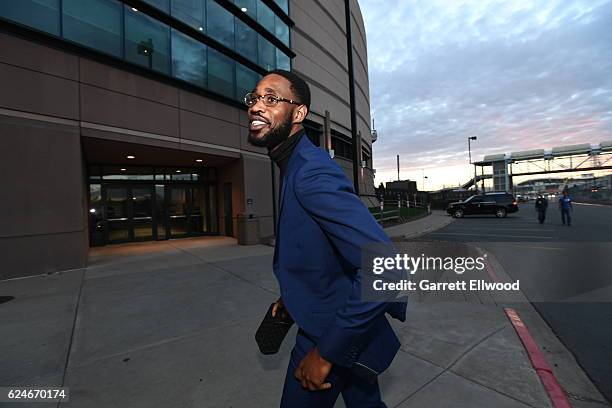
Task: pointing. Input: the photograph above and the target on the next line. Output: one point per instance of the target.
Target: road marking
(507, 229)
(538, 361)
(594, 205)
(492, 235)
(533, 247)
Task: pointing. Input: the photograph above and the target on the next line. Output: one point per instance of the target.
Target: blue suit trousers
(355, 392)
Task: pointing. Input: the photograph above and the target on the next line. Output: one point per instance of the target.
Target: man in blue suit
(343, 343)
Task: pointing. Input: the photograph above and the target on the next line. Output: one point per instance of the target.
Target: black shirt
(282, 153)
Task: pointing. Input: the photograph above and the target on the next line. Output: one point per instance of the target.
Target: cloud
(517, 74)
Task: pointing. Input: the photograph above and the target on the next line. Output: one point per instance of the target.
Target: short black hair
(299, 87)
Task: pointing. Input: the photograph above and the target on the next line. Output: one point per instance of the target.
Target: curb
(427, 230)
(551, 382)
(538, 361)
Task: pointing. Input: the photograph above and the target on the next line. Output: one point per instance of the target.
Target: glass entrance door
(177, 211)
(129, 213)
(142, 213)
(188, 211)
(117, 214)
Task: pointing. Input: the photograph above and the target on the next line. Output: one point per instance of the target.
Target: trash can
(248, 229)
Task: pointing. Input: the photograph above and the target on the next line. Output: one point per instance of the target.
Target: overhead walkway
(560, 159)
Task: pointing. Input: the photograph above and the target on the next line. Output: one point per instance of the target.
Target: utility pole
(398, 178)
(353, 104)
(469, 139)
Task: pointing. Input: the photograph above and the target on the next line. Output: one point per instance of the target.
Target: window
(114, 27)
(249, 5)
(265, 16)
(188, 59)
(246, 41)
(94, 23)
(246, 80)
(282, 60)
(365, 158)
(190, 12)
(220, 73)
(147, 41)
(127, 173)
(220, 23)
(43, 15)
(160, 4)
(281, 30)
(283, 4)
(266, 54)
(341, 147)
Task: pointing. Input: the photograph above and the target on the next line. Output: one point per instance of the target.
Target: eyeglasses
(269, 100)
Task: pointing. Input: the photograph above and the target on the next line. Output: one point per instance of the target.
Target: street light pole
(398, 176)
(469, 139)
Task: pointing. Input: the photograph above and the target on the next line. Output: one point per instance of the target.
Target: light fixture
(201, 28)
(134, 9)
(122, 169)
(199, 160)
(93, 211)
(130, 157)
(244, 9)
(178, 171)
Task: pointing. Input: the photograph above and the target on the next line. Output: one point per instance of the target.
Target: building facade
(123, 120)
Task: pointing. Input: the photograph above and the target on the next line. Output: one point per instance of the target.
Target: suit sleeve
(326, 194)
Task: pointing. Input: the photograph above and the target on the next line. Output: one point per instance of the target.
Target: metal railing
(391, 210)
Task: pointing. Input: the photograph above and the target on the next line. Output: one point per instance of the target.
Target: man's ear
(299, 114)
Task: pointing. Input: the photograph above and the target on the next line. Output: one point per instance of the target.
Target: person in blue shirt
(565, 205)
(343, 342)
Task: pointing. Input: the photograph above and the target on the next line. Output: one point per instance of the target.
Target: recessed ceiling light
(93, 210)
(122, 169)
(130, 157)
(201, 28)
(244, 9)
(134, 9)
(178, 171)
(199, 160)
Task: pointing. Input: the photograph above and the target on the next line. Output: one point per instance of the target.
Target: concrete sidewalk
(413, 229)
(171, 324)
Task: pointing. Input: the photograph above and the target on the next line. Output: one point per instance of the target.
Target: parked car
(522, 198)
(500, 204)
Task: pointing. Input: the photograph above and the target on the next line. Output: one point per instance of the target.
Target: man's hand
(313, 370)
(278, 305)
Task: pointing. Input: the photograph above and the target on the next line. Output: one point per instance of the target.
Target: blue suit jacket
(322, 228)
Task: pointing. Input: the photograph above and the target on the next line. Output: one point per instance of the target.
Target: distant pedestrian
(541, 205)
(566, 207)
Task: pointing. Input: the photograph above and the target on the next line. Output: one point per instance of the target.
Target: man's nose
(257, 108)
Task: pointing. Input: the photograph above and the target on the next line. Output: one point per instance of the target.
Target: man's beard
(274, 137)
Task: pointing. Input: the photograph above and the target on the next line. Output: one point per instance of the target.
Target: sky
(518, 75)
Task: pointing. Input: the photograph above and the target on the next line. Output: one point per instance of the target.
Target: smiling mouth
(257, 125)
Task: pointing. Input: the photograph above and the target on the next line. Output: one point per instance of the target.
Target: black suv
(499, 204)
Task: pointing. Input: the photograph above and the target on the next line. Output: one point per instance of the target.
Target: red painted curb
(538, 361)
(488, 267)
